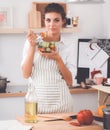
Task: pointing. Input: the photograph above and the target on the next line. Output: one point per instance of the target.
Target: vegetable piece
(48, 49)
(100, 110)
(85, 117)
(75, 123)
(43, 34)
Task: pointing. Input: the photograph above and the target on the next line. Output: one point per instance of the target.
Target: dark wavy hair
(57, 8)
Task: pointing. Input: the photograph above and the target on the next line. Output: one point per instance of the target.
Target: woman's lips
(52, 29)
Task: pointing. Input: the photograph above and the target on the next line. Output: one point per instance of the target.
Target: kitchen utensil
(65, 118)
(3, 84)
(98, 118)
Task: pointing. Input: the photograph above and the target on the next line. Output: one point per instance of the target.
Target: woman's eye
(48, 20)
(56, 20)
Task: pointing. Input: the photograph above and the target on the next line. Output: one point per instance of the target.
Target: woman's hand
(31, 36)
(52, 55)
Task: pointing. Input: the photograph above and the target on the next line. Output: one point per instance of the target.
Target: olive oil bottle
(31, 107)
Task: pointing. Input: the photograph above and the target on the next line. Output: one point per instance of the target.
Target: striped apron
(51, 89)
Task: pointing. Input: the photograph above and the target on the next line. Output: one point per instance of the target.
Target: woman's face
(53, 22)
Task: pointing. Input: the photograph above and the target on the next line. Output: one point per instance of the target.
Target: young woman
(50, 74)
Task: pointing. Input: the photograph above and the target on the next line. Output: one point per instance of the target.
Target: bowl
(47, 47)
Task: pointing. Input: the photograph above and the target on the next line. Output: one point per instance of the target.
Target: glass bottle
(31, 106)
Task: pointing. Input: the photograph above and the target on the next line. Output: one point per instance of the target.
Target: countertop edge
(82, 90)
(5, 95)
(72, 91)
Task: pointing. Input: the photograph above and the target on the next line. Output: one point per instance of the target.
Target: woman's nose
(52, 23)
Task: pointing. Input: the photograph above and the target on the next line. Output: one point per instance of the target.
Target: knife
(66, 118)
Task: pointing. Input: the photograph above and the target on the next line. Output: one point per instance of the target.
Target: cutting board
(58, 125)
(34, 19)
(63, 125)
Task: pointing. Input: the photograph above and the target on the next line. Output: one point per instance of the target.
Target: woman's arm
(64, 71)
(28, 62)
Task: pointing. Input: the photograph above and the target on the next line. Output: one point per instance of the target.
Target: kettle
(106, 119)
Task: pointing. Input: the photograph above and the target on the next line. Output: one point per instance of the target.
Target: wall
(106, 17)
(11, 46)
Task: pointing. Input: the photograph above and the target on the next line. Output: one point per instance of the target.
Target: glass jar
(106, 122)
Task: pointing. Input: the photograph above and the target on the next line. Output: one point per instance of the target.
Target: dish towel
(13, 125)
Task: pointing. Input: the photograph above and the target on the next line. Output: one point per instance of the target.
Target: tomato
(43, 34)
(53, 49)
(52, 46)
(85, 117)
(75, 123)
(42, 49)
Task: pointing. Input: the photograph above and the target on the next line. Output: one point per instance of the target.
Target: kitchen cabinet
(11, 107)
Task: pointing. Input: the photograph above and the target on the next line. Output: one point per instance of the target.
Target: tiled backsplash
(16, 89)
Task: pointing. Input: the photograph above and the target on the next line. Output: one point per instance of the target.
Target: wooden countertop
(81, 90)
(60, 124)
(72, 91)
(5, 95)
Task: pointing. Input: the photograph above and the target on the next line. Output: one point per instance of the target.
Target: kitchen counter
(19, 123)
(72, 91)
(81, 90)
(19, 94)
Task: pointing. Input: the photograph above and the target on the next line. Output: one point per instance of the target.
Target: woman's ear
(64, 23)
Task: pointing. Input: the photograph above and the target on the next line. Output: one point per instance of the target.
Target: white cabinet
(11, 107)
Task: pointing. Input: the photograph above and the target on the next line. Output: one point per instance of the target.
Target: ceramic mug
(98, 79)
